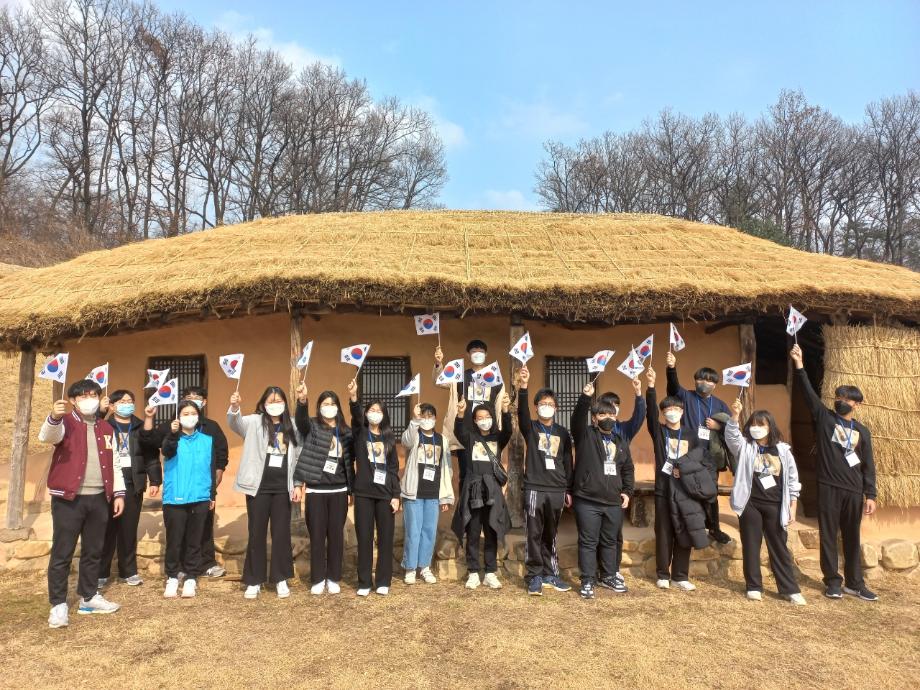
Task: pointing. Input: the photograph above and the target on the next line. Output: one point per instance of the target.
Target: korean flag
(155, 377)
(795, 321)
(737, 376)
(411, 388)
(489, 377)
(304, 360)
(632, 366)
(166, 394)
(645, 347)
(522, 350)
(232, 365)
(428, 324)
(677, 341)
(55, 369)
(100, 375)
(599, 361)
(452, 373)
(355, 354)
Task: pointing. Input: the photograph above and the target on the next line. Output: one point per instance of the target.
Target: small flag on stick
(737, 376)
(523, 349)
(412, 388)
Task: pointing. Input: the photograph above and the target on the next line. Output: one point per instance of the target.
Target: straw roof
(7, 269)
(540, 265)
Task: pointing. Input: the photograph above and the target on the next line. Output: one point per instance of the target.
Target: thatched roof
(7, 269)
(540, 265)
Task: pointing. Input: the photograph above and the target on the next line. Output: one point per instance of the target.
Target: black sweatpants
(759, 521)
(84, 518)
(672, 561)
(711, 515)
(541, 518)
(184, 523)
(478, 524)
(208, 553)
(370, 512)
(262, 510)
(598, 525)
(839, 509)
(326, 524)
(121, 537)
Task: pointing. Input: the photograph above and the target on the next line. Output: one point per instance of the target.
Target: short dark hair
(603, 406)
(117, 395)
(671, 401)
(759, 417)
(195, 390)
(487, 406)
(477, 344)
(706, 374)
(542, 394)
(188, 403)
(851, 393)
(610, 396)
(82, 387)
(426, 408)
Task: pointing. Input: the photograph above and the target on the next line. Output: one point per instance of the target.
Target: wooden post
(20, 450)
(298, 526)
(514, 495)
(748, 354)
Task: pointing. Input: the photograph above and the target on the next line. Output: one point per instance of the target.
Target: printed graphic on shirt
(767, 461)
(611, 449)
(841, 433)
(375, 449)
(678, 449)
(553, 445)
(430, 454)
(480, 454)
(279, 446)
(477, 393)
(335, 448)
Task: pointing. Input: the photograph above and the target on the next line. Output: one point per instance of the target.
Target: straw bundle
(885, 364)
(563, 267)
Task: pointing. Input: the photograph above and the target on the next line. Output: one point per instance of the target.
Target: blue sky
(503, 77)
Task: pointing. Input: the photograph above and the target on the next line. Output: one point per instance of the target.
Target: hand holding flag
(523, 349)
(414, 387)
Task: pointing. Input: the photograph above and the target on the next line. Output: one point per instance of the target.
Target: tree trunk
(748, 354)
(298, 526)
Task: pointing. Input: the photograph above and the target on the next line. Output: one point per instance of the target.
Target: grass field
(436, 636)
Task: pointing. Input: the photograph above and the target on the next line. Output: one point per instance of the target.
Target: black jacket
(536, 476)
(209, 427)
(145, 455)
(589, 481)
(477, 491)
(317, 440)
(363, 467)
(687, 498)
(659, 433)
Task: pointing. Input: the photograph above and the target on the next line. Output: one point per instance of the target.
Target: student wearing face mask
(671, 441)
(83, 483)
(602, 485)
(482, 508)
(325, 474)
(846, 482)
(426, 485)
(271, 446)
(764, 497)
(547, 486)
(700, 406)
(376, 491)
(138, 462)
(189, 491)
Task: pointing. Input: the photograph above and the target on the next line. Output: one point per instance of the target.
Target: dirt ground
(444, 636)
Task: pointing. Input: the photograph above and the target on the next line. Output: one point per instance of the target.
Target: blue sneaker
(535, 587)
(556, 583)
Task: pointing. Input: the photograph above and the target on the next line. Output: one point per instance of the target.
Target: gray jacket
(409, 483)
(746, 452)
(255, 447)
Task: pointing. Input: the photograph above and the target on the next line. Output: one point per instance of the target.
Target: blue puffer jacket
(189, 463)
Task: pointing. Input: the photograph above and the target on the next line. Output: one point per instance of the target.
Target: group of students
(105, 457)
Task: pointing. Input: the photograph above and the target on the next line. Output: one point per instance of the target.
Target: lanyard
(680, 433)
(548, 434)
(699, 407)
(849, 434)
(122, 435)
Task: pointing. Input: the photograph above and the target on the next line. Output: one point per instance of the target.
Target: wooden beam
(749, 354)
(298, 526)
(20, 445)
(515, 492)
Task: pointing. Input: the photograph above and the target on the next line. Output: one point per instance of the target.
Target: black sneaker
(611, 582)
(719, 536)
(863, 593)
(833, 592)
(587, 590)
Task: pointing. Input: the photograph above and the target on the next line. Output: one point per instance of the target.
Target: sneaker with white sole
(252, 592)
(685, 585)
(215, 571)
(491, 581)
(409, 579)
(428, 576)
(172, 588)
(754, 595)
(98, 604)
(383, 591)
(282, 589)
(797, 599)
(863, 593)
(472, 582)
(364, 591)
(133, 581)
(189, 588)
(663, 584)
(333, 587)
(59, 617)
(318, 588)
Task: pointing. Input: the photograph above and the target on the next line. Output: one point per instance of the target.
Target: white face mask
(478, 358)
(329, 411)
(546, 411)
(275, 409)
(759, 432)
(375, 417)
(673, 416)
(189, 421)
(427, 424)
(484, 424)
(88, 406)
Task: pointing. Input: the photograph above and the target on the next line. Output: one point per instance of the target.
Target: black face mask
(705, 388)
(842, 407)
(606, 424)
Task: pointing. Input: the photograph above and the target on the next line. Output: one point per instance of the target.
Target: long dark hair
(339, 417)
(386, 431)
(488, 407)
(287, 427)
(758, 418)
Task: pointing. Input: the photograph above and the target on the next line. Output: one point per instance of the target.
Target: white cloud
(507, 200)
(540, 120)
(299, 56)
(452, 133)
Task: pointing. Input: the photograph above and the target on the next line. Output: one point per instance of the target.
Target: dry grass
(576, 267)
(443, 636)
(885, 364)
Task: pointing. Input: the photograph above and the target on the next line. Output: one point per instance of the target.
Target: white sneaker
(189, 588)
(663, 584)
(754, 595)
(797, 599)
(252, 591)
(491, 580)
(172, 588)
(133, 581)
(97, 604)
(685, 585)
(472, 582)
(428, 576)
(58, 618)
(282, 590)
(364, 591)
(410, 578)
(333, 587)
(215, 571)
(318, 588)
(383, 591)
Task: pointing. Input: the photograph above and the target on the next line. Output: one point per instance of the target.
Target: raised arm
(580, 413)
(811, 397)
(733, 437)
(674, 387)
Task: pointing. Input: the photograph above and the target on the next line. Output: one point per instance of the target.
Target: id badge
(331, 466)
(852, 458)
(275, 460)
(702, 433)
(610, 469)
(668, 467)
(380, 477)
(767, 481)
(550, 461)
(124, 461)
(428, 474)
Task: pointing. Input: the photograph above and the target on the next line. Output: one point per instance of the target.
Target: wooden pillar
(749, 354)
(20, 445)
(298, 527)
(514, 495)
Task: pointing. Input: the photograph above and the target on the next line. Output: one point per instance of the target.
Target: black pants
(672, 561)
(84, 518)
(839, 509)
(598, 525)
(711, 515)
(759, 521)
(121, 536)
(184, 523)
(479, 524)
(262, 510)
(326, 524)
(207, 550)
(370, 512)
(541, 517)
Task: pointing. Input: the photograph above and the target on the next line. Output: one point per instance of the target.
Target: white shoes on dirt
(685, 585)
(58, 618)
(282, 589)
(663, 584)
(252, 591)
(97, 604)
(333, 587)
(318, 588)
(410, 578)
(491, 581)
(172, 588)
(428, 576)
(754, 595)
(472, 582)
(189, 588)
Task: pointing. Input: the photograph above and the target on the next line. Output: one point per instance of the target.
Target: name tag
(380, 477)
(428, 474)
(550, 462)
(852, 458)
(702, 433)
(331, 466)
(610, 469)
(124, 461)
(767, 481)
(275, 460)
(668, 468)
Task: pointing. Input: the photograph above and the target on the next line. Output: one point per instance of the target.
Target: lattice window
(191, 371)
(566, 376)
(381, 378)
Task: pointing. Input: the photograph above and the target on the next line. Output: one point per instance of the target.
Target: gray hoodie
(255, 447)
(409, 484)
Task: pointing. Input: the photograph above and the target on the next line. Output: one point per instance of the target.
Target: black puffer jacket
(687, 498)
(317, 440)
(475, 493)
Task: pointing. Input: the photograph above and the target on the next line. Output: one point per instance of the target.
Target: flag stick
(596, 377)
(106, 379)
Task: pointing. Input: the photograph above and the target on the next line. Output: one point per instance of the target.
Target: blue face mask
(124, 409)
(199, 403)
